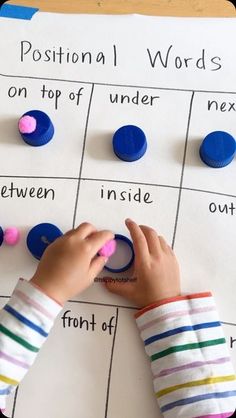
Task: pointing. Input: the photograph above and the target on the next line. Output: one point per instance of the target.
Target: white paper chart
(175, 79)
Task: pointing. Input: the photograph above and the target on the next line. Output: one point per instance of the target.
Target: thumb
(97, 266)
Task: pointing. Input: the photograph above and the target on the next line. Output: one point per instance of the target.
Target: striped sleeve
(193, 376)
(25, 322)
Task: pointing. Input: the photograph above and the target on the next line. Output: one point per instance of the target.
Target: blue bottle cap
(1, 236)
(44, 129)
(40, 237)
(113, 259)
(218, 149)
(129, 143)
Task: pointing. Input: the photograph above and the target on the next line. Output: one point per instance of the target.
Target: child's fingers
(98, 239)
(69, 232)
(139, 240)
(171, 250)
(96, 266)
(84, 230)
(124, 289)
(152, 239)
(165, 247)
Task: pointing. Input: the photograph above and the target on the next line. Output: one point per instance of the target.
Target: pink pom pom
(11, 236)
(108, 249)
(27, 125)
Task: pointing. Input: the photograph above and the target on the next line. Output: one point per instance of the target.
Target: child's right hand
(156, 269)
(70, 264)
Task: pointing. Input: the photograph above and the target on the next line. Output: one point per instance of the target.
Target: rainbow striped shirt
(193, 376)
(25, 323)
(192, 372)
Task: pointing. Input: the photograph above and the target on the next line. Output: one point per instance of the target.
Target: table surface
(212, 8)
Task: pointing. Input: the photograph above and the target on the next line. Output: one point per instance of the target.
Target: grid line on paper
(110, 367)
(14, 403)
(82, 156)
(115, 85)
(111, 305)
(182, 171)
(138, 183)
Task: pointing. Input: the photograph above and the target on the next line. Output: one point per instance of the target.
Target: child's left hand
(70, 264)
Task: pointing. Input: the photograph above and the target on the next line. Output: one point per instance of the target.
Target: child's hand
(156, 269)
(70, 264)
